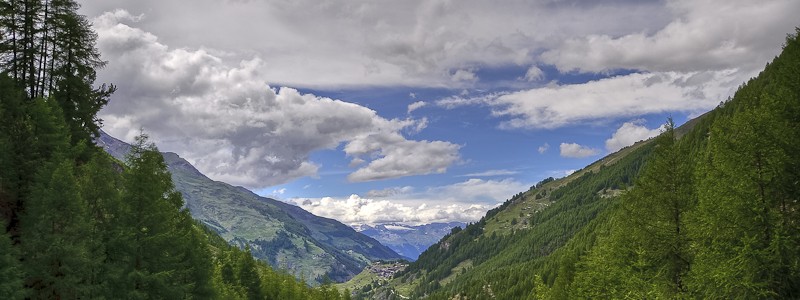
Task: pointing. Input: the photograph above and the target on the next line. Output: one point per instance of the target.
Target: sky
(418, 111)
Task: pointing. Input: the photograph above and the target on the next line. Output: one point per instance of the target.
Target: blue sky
(418, 111)
(485, 148)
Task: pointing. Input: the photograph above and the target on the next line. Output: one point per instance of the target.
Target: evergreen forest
(79, 224)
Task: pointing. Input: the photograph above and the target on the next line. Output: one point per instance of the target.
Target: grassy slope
(529, 234)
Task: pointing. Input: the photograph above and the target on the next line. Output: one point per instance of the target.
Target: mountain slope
(572, 237)
(486, 257)
(285, 235)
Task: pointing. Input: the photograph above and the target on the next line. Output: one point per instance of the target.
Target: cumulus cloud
(230, 124)
(416, 105)
(356, 210)
(465, 201)
(397, 156)
(543, 148)
(630, 133)
(574, 150)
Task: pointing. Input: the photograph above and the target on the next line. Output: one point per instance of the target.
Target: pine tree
(147, 239)
(54, 236)
(99, 185)
(48, 48)
(658, 209)
(73, 67)
(748, 235)
(647, 252)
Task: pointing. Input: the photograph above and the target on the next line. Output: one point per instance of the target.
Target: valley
(433, 150)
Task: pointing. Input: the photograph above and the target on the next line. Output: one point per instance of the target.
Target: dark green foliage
(748, 211)
(54, 236)
(77, 224)
(647, 251)
(11, 284)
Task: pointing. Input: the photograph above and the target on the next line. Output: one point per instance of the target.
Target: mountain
(408, 241)
(705, 210)
(285, 235)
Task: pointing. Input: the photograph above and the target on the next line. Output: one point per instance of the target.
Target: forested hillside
(706, 210)
(78, 224)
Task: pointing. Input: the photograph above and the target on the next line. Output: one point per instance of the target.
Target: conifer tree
(99, 185)
(747, 236)
(249, 277)
(147, 239)
(647, 253)
(54, 236)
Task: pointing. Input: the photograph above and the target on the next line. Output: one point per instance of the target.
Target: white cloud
(387, 192)
(703, 35)
(574, 150)
(490, 173)
(453, 102)
(308, 43)
(534, 74)
(476, 190)
(543, 148)
(465, 201)
(412, 96)
(420, 125)
(464, 75)
(416, 105)
(397, 157)
(356, 210)
(234, 127)
(630, 133)
(636, 94)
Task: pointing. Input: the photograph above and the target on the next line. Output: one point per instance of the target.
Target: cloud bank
(465, 201)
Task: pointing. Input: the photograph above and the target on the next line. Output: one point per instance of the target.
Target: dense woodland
(78, 224)
(707, 210)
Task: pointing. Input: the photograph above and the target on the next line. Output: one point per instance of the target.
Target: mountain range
(285, 235)
(408, 241)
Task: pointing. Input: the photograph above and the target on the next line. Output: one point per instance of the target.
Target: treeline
(78, 224)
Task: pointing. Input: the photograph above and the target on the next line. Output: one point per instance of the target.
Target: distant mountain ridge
(406, 240)
(283, 234)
